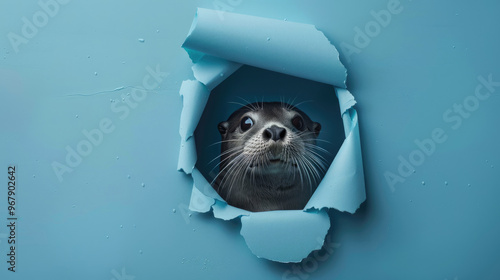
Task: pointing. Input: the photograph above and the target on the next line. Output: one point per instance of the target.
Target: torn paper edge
(343, 186)
(275, 228)
(267, 44)
(209, 71)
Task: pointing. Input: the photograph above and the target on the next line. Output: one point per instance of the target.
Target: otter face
(269, 153)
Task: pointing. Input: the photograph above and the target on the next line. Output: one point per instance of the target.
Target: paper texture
(343, 186)
(218, 46)
(285, 236)
(287, 47)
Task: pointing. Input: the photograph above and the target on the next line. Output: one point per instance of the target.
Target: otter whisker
(296, 161)
(317, 148)
(282, 102)
(300, 103)
(315, 154)
(223, 141)
(290, 103)
(248, 105)
(306, 165)
(222, 163)
(241, 104)
(260, 173)
(231, 164)
(240, 172)
(225, 153)
(234, 168)
(312, 166)
(324, 141)
(316, 160)
(224, 157)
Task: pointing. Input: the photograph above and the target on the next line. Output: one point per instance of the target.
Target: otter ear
(316, 128)
(223, 126)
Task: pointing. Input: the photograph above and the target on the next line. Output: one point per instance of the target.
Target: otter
(269, 158)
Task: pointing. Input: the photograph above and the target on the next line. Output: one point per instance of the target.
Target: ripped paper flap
(285, 236)
(211, 71)
(291, 48)
(343, 186)
(219, 43)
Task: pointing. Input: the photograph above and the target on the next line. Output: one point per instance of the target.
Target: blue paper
(288, 235)
(218, 46)
(287, 47)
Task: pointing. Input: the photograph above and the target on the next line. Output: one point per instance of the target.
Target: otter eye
(298, 122)
(246, 123)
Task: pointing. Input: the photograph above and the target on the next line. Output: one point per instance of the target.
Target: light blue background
(97, 221)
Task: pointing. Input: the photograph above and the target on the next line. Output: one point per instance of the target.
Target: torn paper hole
(219, 46)
(317, 100)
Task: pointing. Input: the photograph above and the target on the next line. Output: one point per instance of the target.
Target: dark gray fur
(273, 165)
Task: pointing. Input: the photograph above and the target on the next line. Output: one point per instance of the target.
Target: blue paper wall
(418, 69)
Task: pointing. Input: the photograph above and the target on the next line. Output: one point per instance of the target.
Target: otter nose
(274, 132)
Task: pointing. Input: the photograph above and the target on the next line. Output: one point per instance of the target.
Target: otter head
(269, 157)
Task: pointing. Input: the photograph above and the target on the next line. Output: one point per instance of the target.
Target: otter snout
(274, 133)
(269, 159)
